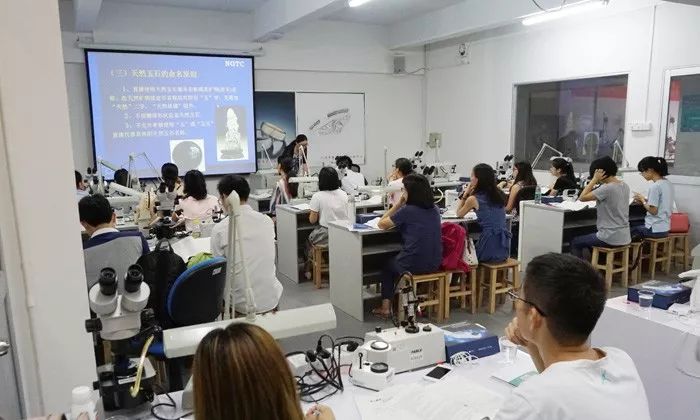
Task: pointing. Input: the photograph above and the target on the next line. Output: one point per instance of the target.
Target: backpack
(453, 237)
(161, 267)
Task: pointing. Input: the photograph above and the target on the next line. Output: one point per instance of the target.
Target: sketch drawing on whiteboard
(332, 124)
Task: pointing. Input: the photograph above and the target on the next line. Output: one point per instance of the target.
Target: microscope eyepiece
(108, 281)
(134, 278)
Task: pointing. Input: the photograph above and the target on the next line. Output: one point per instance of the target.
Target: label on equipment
(128, 380)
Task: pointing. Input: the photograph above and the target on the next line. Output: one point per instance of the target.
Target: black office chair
(196, 297)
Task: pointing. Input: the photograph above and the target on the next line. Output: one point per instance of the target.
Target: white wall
(45, 256)
(321, 56)
(472, 104)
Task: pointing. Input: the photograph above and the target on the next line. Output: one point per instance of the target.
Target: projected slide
(193, 110)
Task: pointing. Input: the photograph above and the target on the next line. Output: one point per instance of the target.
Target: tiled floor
(304, 294)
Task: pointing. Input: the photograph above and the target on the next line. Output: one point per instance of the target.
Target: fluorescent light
(566, 11)
(355, 3)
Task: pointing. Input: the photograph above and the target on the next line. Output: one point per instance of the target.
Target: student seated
(556, 310)
(81, 188)
(284, 191)
(522, 177)
(240, 373)
(402, 167)
(659, 203)
(257, 239)
(146, 213)
(329, 204)
(563, 170)
(121, 177)
(612, 208)
(197, 204)
(417, 217)
(107, 247)
(484, 197)
(350, 179)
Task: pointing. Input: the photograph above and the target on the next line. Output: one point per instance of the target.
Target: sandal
(379, 312)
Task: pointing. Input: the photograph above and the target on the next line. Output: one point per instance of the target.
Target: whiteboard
(334, 124)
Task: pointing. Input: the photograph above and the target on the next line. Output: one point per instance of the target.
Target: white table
(357, 258)
(187, 246)
(658, 342)
(293, 228)
(343, 404)
(545, 228)
(260, 202)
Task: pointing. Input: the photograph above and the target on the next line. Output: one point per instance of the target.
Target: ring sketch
(335, 125)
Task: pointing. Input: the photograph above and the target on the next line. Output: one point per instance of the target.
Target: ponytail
(566, 167)
(657, 164)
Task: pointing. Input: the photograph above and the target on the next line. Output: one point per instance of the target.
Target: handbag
(469, 255)
(680, 223)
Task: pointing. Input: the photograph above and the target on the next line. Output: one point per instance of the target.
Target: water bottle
(538, 195)
(196, 228)
(82, 403)
(352, 210)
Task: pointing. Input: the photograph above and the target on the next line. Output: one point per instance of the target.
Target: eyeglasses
(514, 296)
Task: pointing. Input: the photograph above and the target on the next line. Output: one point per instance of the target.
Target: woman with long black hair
(563, 170)
(523, 177)
(488, 201)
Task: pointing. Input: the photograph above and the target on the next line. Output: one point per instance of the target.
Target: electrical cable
(563, 3)
(170, 404)
(136, 387)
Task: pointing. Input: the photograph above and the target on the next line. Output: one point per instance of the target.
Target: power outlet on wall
(640, 126)
(434, 140)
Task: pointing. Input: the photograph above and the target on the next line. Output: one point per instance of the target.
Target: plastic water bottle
(352, 210)
(538, 195)
(82, 403)
(196, 228)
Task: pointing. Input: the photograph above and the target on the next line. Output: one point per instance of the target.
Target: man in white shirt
(402, 167)
(349, 179)
(257, 239)
(556, 311)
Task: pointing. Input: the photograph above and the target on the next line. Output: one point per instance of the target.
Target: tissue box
(666, 293)
(469, 337)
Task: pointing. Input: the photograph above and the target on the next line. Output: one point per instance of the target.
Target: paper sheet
(574, 205)
(302, 206)
(455, 398)
(451, 214)
(188, 246)
(373, 223)
(518, 372)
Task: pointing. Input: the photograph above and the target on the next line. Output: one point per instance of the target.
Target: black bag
(161, 267)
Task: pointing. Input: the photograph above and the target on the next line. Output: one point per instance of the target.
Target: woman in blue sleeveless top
(484, 197)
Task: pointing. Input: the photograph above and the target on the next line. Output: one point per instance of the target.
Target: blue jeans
(641, 232)
(586, 242)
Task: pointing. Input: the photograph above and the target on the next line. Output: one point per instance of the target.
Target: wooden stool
(498, 286)
(318, 264)
(636, 274)
(612, 265)
(461, 290)
(680, 249)
(434, 295)
(659, 253)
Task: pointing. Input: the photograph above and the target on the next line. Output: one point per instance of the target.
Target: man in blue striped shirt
(107, 247)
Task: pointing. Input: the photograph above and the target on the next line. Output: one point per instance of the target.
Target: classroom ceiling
(240, 6)
(387, 12)
(379, 12)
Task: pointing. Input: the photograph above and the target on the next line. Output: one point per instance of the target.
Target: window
(681, 143)
(583, 119)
